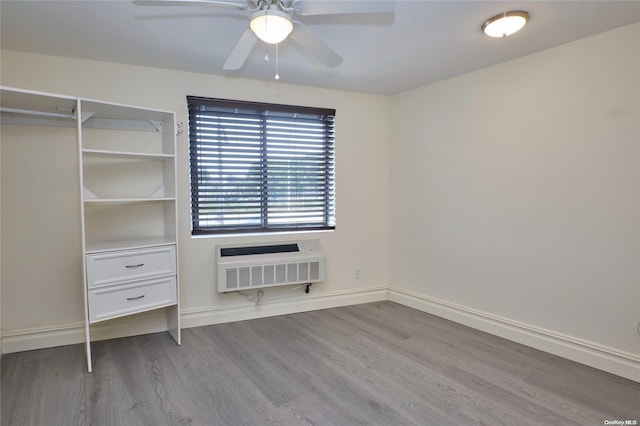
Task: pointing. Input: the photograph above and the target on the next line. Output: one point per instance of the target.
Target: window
(259, 167)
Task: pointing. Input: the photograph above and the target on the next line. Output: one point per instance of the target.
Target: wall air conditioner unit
(248, 266)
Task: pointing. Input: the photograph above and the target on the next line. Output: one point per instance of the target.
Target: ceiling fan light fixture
(505, 24)
(271, 26)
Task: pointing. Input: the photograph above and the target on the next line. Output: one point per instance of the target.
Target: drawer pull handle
(135, 298)
(134, 266)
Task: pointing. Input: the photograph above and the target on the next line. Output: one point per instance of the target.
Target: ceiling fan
(272, 22)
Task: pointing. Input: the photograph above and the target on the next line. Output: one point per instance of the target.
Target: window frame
(208, 107)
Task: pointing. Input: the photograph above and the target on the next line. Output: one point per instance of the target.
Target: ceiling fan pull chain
(277, 64)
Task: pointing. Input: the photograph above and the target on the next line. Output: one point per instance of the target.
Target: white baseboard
(28, 339)
(594, 355)
(69, 334)
(598, 356)
(281, 306)
(155, 321)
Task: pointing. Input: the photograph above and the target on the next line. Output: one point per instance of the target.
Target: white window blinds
(260, 167)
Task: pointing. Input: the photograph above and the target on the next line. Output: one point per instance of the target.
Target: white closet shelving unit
(128, 186)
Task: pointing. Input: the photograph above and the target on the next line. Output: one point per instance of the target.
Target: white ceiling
(421, 42)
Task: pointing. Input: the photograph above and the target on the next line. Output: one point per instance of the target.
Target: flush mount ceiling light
(505, 24)
(271, 26)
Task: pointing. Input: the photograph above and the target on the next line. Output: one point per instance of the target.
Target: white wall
(40, 220)
(0, 250)
(515, 193)
(510, 195)
(39, 305)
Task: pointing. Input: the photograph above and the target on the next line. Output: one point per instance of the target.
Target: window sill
(258, 234)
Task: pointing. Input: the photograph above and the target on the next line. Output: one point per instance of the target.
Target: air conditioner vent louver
(242, 267)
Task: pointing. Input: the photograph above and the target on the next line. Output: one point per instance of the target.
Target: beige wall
(515, 191)
(510, 193)
(42, 268)
(43, 291)
(0, 248)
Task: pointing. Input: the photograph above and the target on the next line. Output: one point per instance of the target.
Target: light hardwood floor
(378, 364)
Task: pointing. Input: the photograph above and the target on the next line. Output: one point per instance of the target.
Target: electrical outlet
(357, 273)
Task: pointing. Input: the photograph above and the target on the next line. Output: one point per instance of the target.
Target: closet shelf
(128, 244)
(128, 200)
(91, 121)
(125, 154)
(32, 108)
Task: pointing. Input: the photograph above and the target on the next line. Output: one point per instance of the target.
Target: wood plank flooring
(378, 364)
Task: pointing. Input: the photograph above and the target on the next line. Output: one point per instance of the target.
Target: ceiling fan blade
(334, 7)
(200, 3)
(241, 51)
(315, 46)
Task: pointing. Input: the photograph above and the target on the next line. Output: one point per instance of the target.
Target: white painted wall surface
(515, 190)
(41, 247)
(1, 248)
(511, 192)
(36, 301)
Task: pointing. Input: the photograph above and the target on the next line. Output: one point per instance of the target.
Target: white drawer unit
(128, 265)
(118, 300)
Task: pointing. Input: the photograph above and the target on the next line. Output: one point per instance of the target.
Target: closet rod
(39, 113)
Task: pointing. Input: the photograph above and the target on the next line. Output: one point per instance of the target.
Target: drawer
(128, 265)
(124, 299)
